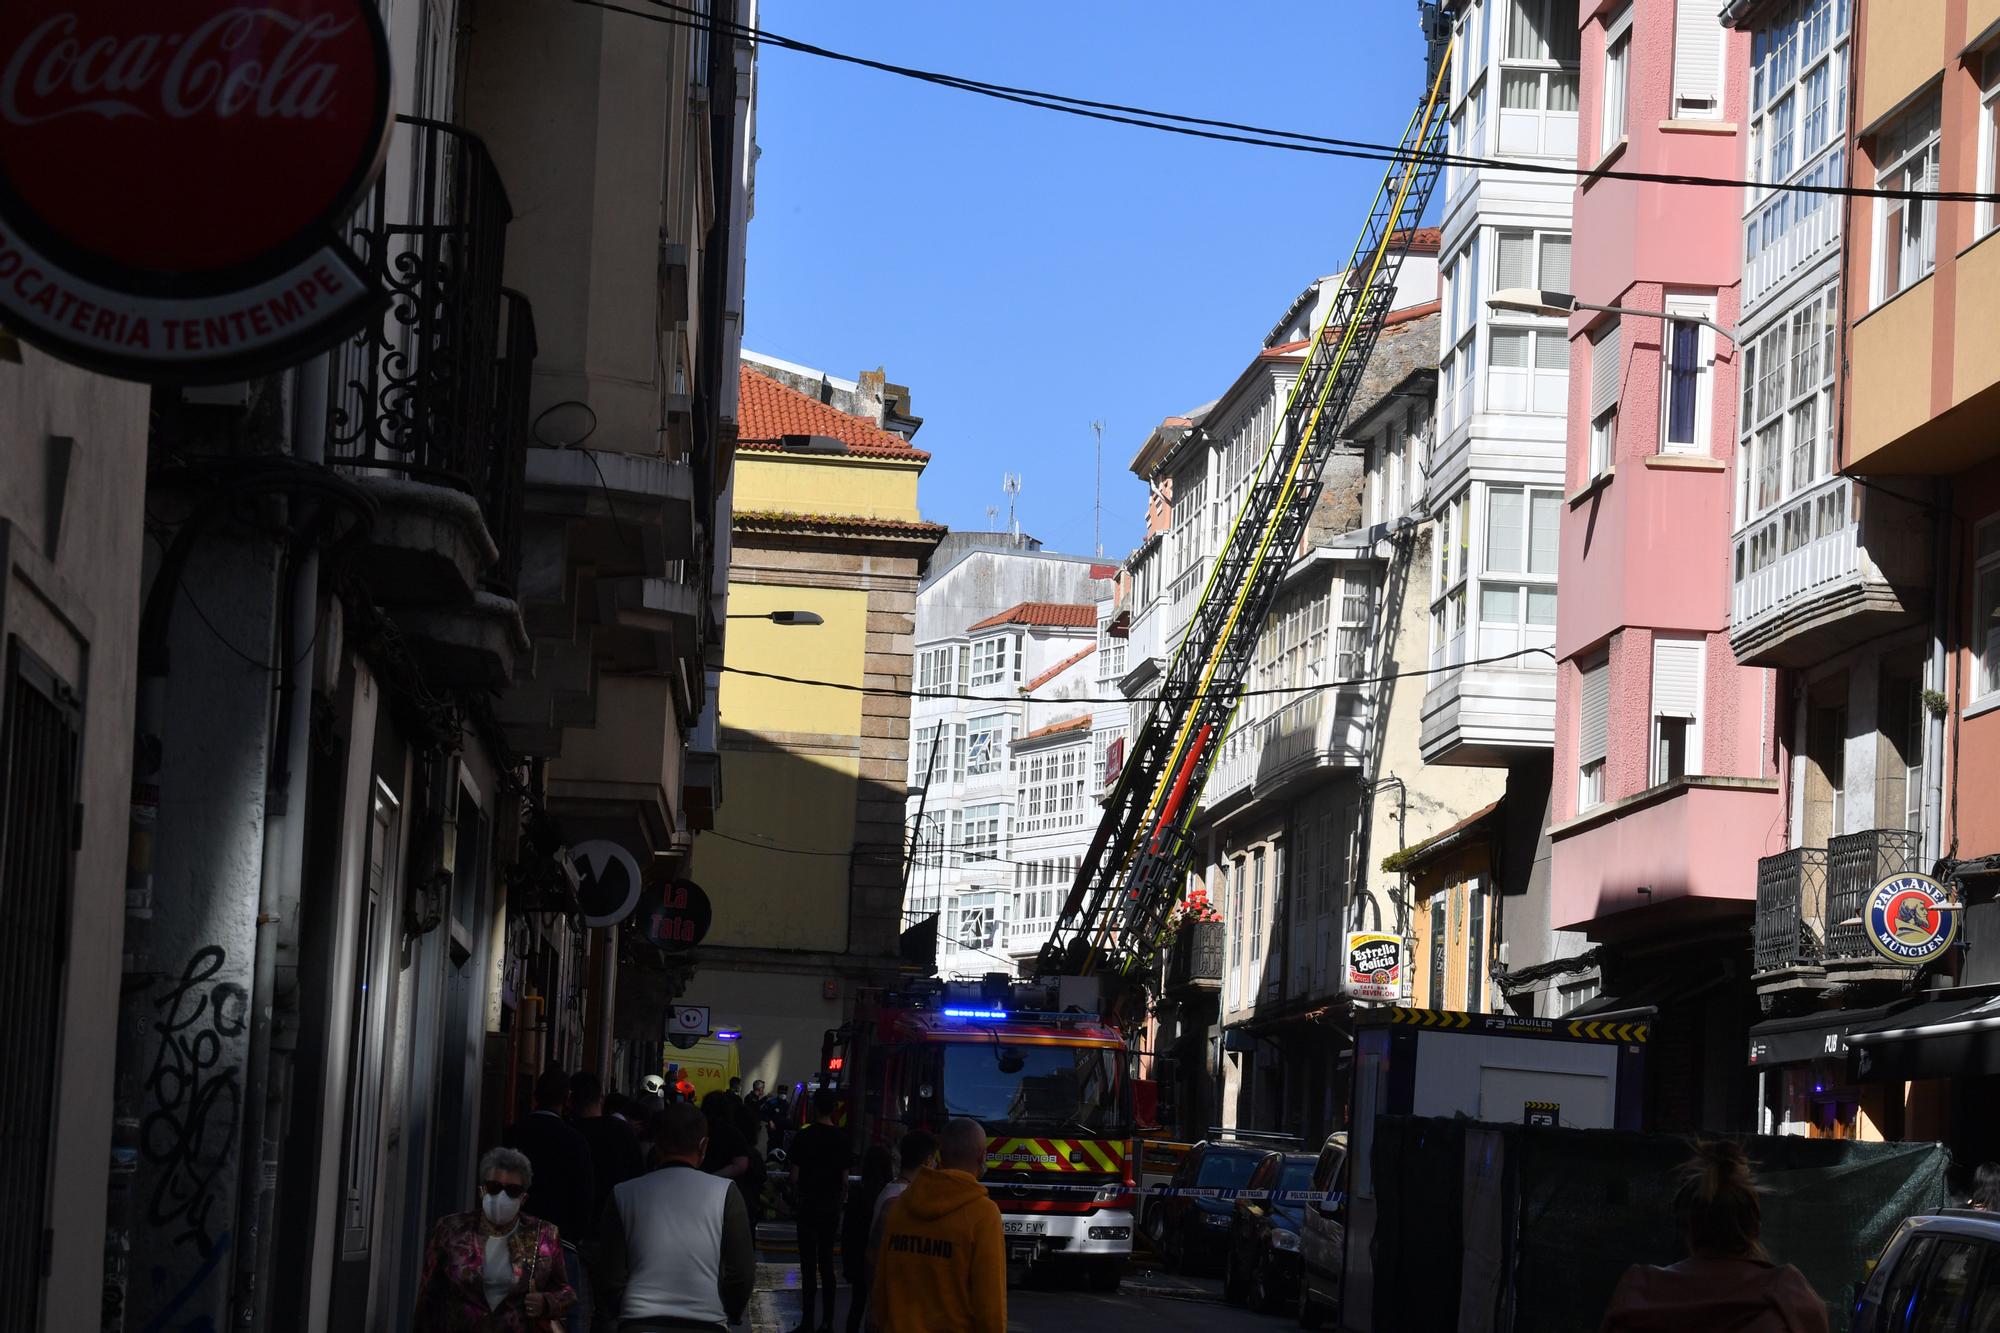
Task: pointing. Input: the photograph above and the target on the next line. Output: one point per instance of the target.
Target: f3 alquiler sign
(174, 175)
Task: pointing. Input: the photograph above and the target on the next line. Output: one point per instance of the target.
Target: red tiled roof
(1055, 728)
(851, 524)
(1060, 667)
(1045, 615)
(1422, 241)
(770, 410)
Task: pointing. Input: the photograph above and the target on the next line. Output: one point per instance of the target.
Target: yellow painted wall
(1902, 47)
(1980, 15)
(770, 899)
(1891, 373)
(1975, 360)
(833, 651)
(802, 484)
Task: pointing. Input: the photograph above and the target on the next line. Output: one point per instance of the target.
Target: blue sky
(1027, 273)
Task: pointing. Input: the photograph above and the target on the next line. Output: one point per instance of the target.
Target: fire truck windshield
(1042, 1089)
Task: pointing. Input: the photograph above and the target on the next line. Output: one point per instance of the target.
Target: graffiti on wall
(194, 1102)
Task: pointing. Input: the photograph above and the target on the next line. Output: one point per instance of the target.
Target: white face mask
(501, 1210)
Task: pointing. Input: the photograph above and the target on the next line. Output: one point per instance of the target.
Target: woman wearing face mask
(495, 1269)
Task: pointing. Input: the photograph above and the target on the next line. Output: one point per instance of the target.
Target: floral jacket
(452, 1296)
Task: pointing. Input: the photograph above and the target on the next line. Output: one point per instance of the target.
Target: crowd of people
(620, 1214)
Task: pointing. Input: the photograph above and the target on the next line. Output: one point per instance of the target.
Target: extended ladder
(1130, 879)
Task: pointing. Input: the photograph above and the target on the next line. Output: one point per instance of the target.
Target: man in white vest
(675, 1248)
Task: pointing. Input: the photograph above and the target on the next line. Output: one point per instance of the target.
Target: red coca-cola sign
(172, 174)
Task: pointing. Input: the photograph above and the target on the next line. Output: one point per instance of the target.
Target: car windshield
(1225, 1171)
(1053, 1089)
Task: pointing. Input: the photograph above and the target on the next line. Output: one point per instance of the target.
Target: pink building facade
(1666, 788)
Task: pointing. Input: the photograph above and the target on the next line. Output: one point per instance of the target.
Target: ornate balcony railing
(1791, 909)
(1803, 545)
(1195, 958)
(435, 389)
(1857, 862)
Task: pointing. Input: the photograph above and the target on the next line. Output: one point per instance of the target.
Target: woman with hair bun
(1727, 1284)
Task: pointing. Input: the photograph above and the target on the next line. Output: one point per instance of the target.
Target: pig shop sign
(174, 175)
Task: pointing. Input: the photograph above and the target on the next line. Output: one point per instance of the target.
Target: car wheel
(1310, 1315)
(1235, 1289)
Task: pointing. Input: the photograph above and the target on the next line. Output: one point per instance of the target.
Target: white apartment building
(1496, 471)
(1015, 629)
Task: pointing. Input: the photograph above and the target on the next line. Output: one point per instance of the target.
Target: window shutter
(1697, 58)
(1593, 712)
(1676, 677)
(1555, 264)
(1515, 264)
(1605, 356)
(1505, 520)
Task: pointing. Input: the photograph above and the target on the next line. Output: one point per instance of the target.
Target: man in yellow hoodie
(943, 1263)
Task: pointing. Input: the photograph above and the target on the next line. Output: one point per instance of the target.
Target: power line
(1120, 698)
(1260, 136)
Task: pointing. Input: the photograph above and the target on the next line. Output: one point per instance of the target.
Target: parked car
(1190, 1233)
(1940, 1273)
(1323, 1235)
(1262, 1262)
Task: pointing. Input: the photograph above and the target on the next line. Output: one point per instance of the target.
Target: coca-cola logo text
(214, 69)
(196, 141)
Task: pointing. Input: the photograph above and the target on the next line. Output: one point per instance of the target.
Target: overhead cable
(1227, 131)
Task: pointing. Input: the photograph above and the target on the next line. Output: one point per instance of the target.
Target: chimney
(868, 398)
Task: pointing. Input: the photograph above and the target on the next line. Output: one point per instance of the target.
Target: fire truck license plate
(1023, 1226)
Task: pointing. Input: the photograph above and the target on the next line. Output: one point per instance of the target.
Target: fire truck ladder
(1130, 879)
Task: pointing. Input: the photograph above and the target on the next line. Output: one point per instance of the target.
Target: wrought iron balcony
(1791, 910)
(1194, 960)
(1857, 862)
(435, 389)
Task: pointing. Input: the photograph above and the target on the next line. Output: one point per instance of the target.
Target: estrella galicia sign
(1910, 918)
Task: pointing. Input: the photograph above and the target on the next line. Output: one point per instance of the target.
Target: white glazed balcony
(1816, 574)
(1324, 729)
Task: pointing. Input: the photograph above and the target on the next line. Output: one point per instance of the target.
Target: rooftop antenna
(1097, 514)
(1011, 483)
(992, 518)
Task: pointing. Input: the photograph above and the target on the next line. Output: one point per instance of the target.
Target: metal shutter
(1676, 677)
(1605, 358)
(1593, 712)
(40, 726)
(1697, 59)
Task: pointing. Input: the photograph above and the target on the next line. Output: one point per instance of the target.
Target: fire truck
(1051, 1083)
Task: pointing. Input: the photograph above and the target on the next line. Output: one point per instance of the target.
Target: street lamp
(1529, 301)
(781, 617)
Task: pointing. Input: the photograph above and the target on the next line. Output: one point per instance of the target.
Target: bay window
(1517, 592)
(1798, 122)
(986, 744)
(1906, 158)
(1538, 79)
(985, 831)
(948, 739)
(1686, 407)
(1448, 582)
(1458, 359)
(1787, 443)
(993, 658)
(1357, 596)
(1528, 361)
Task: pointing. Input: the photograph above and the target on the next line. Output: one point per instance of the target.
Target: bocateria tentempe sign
(172, 175)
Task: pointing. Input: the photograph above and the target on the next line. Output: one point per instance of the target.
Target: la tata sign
(173, 174)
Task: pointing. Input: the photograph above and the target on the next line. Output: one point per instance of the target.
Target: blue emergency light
(996, 1015)
(727, 1034)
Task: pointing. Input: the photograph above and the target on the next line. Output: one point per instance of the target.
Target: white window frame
(1783, 389)
(1987, 217)
(1910, 154)
(1665, 712)
(991, 658)
(1615, 95)
(1986, 611)
(1461, 296)
(1590, 770)
(1548, 69)
(1450, 582)
(1687, 309)
(985, 831)
(1544, 389)
(998, 757)
(1605, 391)
(1354, 623)
(1699, 20)
(1528, 586)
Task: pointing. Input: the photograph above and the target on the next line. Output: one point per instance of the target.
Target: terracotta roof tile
(1103, 570)
(1402, 316)
(1059, 668)
(1056, 728)
(1045, 615)
(770, 410)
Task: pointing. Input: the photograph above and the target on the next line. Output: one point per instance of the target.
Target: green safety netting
(1562, 1213)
